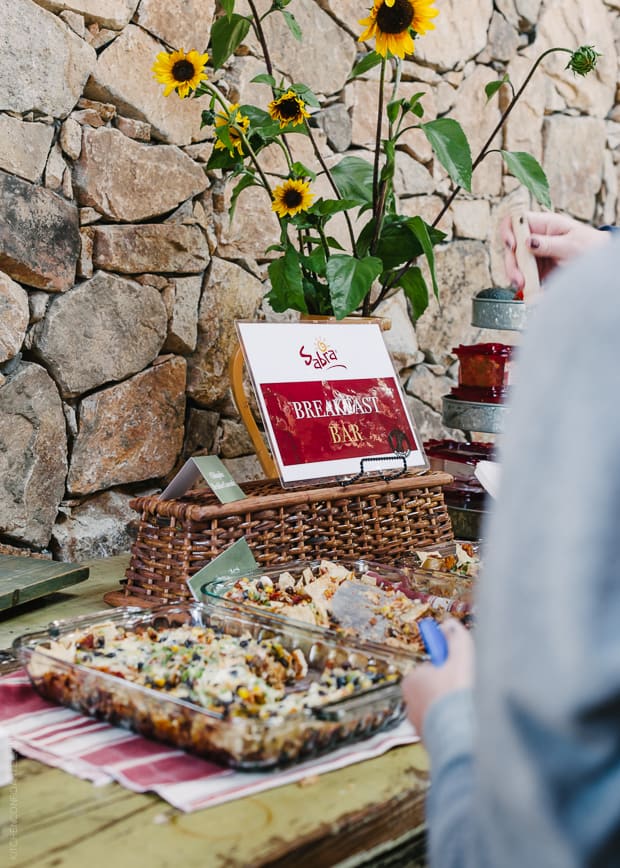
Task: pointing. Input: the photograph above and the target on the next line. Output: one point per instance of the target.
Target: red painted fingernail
(534, 243)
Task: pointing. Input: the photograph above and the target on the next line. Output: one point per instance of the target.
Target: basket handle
(235, 370)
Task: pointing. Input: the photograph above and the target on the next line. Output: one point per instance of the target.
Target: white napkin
(488, 475)
(6, 759)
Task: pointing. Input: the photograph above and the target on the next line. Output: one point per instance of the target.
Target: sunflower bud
(583, 60)
(208, 118)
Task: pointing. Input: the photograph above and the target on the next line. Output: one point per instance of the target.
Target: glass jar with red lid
(484, 366)
(484, 373)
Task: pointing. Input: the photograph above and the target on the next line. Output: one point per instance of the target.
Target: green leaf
(228, 6)
(247, 180)
(350, 281)
(263, 125)
(415, 100)
(528, 170)
(298, 170)
(396, 243)
(393, 109)
(368, 62)
(328, 207)
(264, 78)
(353, 177)
(286, 283)
(416, 291)
(315, 261)
(223, 159)
(293, 26)
(317, 297)
(333, 242)
(420, 231)
(308, 96)
(227, 34)
(451, 148)
(260, 122)
(387, 172)
(493, 86)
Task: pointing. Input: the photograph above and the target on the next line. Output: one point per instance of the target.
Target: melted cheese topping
(231, 675)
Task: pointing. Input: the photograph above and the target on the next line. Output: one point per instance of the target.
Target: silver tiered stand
(470, 416)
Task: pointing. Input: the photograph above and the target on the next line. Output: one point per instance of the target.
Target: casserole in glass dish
(236, 687)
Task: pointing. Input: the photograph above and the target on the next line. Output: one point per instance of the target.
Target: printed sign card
(330, 398)
(215, 474)
(236, 560)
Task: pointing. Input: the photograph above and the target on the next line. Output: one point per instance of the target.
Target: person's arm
(548, 606)
(541, 785)
(554, 239)
(439, 705)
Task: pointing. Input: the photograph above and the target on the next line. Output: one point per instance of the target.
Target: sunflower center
(292, 198)
(396, 18)
(183, 70)
(288, 108)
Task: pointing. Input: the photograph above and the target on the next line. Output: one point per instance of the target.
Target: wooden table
(369, 814)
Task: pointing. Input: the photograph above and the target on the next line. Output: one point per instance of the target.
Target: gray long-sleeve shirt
(528, 774)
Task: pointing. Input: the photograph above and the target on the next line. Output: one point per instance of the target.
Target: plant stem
(256, 23)
(332, 183)
(254, 159)
(498, 126)
(258, 29)
(481, 155)
(375, 170)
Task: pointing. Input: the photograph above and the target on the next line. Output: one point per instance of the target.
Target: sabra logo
(323, 358)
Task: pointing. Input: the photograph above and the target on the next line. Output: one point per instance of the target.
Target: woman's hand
(427, 683)
(554, 240)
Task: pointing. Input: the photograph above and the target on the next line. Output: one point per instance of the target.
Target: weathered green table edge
(370, 813)
(25, 579)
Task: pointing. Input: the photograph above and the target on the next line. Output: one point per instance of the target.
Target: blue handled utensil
(434, 640)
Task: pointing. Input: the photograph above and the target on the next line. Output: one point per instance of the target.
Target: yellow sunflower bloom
(392, 23)
(180, 71)
(291, 197)
(288, 109)
(233, 116)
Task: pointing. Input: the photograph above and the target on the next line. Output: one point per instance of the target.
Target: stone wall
(120, 276)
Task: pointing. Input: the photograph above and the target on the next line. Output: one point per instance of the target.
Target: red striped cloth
(101, 753)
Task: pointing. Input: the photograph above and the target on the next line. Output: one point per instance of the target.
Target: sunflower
(291, 197)
(180, 71)
(394, 22)
(288, 109)
(227, 119)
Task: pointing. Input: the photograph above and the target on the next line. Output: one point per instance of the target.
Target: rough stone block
(160, 247)
(39, 235)
(52, 86)
(103, 330)
(24, 147)
(33, 455)
(131, 431)
(121, 178)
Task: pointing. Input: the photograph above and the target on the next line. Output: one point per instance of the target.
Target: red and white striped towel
(100, 753)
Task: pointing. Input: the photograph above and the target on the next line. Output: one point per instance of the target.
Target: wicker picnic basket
(381, 520)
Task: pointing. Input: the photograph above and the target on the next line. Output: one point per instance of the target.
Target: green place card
(219, 479)
(213, 471)
(236, 560)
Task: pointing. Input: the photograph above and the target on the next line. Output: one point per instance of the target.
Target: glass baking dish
(447, 571)
(253, 592)
(456, 458)
(270, 739)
